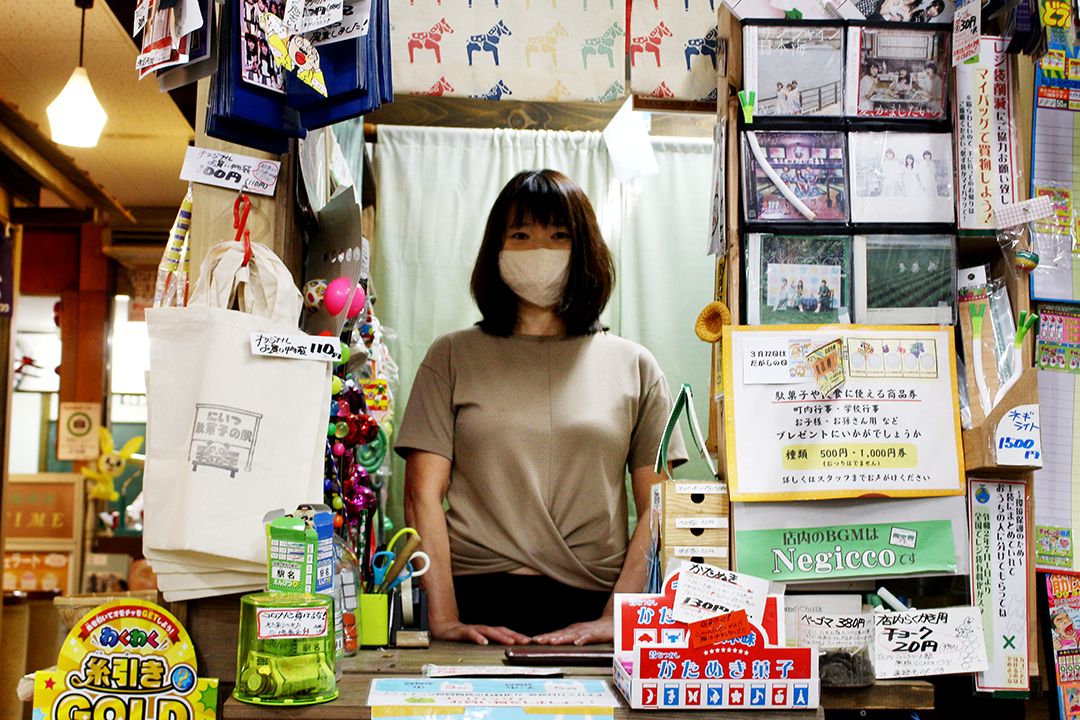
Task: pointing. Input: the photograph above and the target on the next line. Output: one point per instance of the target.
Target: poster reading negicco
(846, 551)
(125, 659)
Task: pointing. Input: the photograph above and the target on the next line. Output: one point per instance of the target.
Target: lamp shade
(76, 117)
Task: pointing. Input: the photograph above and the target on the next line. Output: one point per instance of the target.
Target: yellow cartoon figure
(110, 465)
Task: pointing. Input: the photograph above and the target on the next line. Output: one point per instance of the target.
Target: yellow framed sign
(892, 427)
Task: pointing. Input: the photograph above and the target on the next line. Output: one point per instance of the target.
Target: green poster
(846, 551)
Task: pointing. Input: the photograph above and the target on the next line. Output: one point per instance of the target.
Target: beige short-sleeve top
(539, 432)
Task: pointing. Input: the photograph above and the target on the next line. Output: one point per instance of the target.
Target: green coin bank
(286, 650)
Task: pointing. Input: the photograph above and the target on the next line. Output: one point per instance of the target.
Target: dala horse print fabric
(673, 49)
(546, 50)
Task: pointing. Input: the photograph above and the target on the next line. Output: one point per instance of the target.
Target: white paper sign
(831, 604)
(321, 13)
(834, 631)
(142, 14)
(300, 622)
(700, 488)
(704, 591)
(892, 429)
(230, 170)
(928, 642)
(999, 563)
(966, 32)
(690, 523)
(1017, 440)
(355, 20)
(766, 361)
(296, 347)
(77, 431)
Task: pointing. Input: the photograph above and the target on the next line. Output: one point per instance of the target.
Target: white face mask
(536, 276)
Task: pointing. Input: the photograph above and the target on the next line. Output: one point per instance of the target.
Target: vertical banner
(999, 569)
(985, 135)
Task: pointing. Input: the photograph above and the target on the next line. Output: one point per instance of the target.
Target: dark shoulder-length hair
(549, 198)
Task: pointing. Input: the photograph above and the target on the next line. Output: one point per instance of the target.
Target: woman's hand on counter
(583, 633)
(479, 634)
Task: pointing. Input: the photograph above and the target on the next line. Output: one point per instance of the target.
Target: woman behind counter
(525, 425)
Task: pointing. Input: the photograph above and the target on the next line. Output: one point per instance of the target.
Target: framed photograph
(794, 70)
(899, 73)
(795, 176)
(901, 177)
(916, 11)
(798, 279)
(905, 279)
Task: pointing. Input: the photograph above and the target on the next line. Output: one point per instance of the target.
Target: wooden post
(271, 221)
(7, 354)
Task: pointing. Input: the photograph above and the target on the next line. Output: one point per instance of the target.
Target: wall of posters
(999, 572)
(892, 428)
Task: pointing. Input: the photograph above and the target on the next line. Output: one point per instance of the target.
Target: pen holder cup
(380, 618)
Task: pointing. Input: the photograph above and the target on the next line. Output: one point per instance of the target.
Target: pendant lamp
(76, 118)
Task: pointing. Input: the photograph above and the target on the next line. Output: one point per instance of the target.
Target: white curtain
(435, 187)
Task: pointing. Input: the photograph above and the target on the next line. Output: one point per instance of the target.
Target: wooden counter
(369, 664)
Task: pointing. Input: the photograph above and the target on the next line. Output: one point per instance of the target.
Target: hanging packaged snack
(798, 279)
(897, 74)
(901, 177)
(905, 279)
(795, 177)
(797, 70)
(1026, 235)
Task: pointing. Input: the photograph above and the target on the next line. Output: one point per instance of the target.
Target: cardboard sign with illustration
(661, 663)
(125, 659)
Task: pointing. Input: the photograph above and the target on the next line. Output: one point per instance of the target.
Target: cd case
(795, 176)
(905, 279)
(902, 177)
(897, 74)
(794, 70)
(798, 279)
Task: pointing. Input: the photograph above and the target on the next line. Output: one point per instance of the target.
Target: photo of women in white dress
(795, 70)
(913, 168)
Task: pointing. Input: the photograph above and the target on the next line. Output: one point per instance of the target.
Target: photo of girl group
(801, 279)
(905, 279)
(793, 70)
(810, 165)
(916, 11)
(902, 73)
(901, 177)
(257, 63)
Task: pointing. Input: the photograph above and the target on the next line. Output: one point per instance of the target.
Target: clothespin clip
(793, 14)
(240, 218)
(1027, 321)
(747, 98)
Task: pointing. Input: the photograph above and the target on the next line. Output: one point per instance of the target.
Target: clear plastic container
(286, 650)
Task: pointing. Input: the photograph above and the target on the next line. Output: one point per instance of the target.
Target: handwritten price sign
(705, 591)
(722, 627)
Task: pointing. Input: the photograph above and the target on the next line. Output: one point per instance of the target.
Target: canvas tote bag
(230, 434)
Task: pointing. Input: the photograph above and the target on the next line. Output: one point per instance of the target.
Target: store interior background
(93, 224)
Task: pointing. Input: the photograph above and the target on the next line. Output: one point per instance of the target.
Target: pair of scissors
(388, 564)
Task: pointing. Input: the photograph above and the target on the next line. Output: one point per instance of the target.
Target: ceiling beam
(23, 142)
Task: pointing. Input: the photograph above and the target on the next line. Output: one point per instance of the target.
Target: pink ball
(338, 449)
(358, 301)
(337, 294)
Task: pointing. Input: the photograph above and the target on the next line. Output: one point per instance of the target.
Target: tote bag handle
(684, 403)
(263, 287)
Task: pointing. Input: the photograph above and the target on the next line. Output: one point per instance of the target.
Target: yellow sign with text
(125, 660)
(850, 456)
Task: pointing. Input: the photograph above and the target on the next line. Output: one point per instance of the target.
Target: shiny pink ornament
(359, 299)
(338, 449)
(337, 294)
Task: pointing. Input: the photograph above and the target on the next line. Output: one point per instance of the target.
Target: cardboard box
(657, 666)
(300, 551)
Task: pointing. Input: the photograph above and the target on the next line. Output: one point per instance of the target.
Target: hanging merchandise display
(211, 417)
